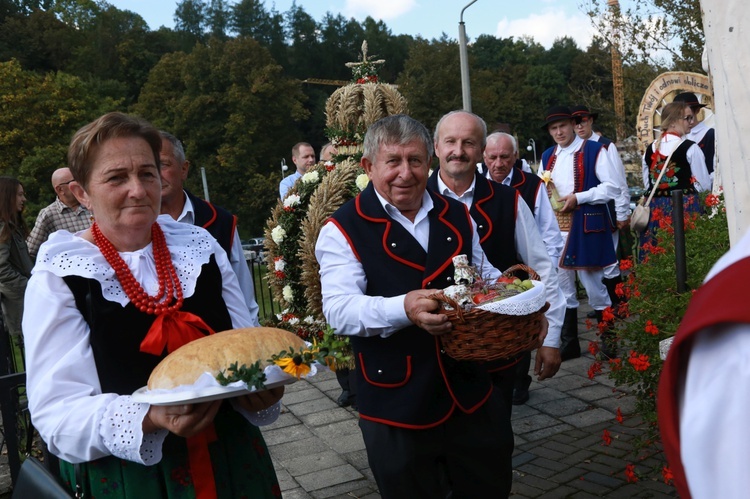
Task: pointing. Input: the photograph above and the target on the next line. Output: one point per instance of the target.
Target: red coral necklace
(169, 284)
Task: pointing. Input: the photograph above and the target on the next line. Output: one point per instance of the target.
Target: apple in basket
(504, 287)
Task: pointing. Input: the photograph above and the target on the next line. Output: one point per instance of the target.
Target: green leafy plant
(655, 308)
(253, 375)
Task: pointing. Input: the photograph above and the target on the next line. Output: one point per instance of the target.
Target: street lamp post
(465, 86)
(530, 147)
(284, 168)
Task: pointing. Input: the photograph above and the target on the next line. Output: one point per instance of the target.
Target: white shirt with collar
(236, 259)
(562, 175)
(530, 249)
(343, 282)
(622, 202)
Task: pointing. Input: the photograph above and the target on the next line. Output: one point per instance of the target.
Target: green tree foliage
(655, 31)
(235, 111)
(38, 115)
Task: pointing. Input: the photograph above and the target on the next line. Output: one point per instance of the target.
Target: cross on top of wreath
(366, 70)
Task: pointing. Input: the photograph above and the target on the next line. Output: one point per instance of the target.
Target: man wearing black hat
(582, 184)
(584, 129)
(699, 132)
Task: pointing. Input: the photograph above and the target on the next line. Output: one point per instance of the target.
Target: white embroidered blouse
(78, 422)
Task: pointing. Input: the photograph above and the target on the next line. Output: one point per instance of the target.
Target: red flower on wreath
(606, 437)
(630, 473)
(639, 362)
(651, 328)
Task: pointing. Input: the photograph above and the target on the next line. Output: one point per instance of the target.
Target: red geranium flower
(593, 347)
(712, 200)
(639, 361)
(595, 369)
(651, 328)
(630, 473)
(667, 474)
(626, 263)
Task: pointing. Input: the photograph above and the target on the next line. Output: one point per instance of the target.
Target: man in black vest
(432, 426)
(499, 154)
(184, 207)
(507, 232)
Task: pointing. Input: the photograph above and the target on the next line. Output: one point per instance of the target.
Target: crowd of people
(124, 243)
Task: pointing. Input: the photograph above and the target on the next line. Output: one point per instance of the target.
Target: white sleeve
(66, 402)
(230, 292)
(607, 188)
(547, 222)
(712, 415)
(343, 283)
(531, 251)
(697, 161)
(622, 201)
(244, 277)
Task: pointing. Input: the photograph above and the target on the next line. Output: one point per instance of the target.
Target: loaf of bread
(215, 353)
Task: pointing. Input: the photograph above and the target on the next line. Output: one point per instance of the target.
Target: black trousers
(467, 456)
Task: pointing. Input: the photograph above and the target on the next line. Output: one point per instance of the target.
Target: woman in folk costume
(686, 170)
(105, 306)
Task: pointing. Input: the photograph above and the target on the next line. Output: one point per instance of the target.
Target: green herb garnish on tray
(252, 376)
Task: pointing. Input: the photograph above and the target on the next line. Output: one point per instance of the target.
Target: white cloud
(545, 28)
(382, 9)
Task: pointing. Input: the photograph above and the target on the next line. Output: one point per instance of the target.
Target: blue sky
(544, 20)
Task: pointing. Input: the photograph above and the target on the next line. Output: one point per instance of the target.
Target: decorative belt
(564, 220)
(666, 193)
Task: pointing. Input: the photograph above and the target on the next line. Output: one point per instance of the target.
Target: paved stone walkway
(318, 451)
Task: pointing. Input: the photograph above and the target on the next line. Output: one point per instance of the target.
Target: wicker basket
(480, 335)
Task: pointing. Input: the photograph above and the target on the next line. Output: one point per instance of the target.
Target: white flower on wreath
(291, 200)
(294, 321)
(309, 319)
(362, 181)
(287, 293)
(279, 264)
(278, 234)
(310, 178)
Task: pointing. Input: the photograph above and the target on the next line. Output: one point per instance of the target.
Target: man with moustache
(506, 227)
(432, 426)
(586, 182)
(499, 155)
(185, 207)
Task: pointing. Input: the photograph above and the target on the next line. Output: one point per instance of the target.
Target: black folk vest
(405, 380)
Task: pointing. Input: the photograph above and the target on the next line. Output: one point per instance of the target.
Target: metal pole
(205, 184)
(464, 57)
(679, 241)
(532, 146)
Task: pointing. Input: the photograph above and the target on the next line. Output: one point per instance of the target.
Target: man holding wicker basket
(509, 236)
(432, 425)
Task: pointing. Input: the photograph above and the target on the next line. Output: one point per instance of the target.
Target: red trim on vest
(411, 426)
(469, 410)
(388, 226)
(387, 385)
(213, 218)
(448, 261)
(488, 220)
(715, 302)
(346, 236)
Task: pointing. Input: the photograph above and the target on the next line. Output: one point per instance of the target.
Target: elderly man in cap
(584, 129)
(582, 183)
(699, 132)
